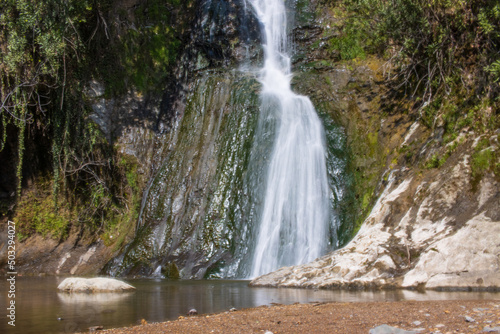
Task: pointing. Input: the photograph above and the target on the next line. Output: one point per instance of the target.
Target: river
(39, 305)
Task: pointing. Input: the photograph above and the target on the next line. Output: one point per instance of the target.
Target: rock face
(98, 284)
(192, 205)
(428, 231)
(433, 226)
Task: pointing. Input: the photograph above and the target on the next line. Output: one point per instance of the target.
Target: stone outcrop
(97, 284)
(426, 230)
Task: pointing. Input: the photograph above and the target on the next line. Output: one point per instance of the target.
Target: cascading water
(237, 193)
(295, 212)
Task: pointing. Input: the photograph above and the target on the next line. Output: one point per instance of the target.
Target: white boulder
(97, 284)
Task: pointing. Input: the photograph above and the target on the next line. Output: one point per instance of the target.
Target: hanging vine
(49, 49)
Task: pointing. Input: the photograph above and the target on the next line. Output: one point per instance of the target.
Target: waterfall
(295, 211)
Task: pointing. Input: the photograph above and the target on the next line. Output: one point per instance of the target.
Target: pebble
(469, 319)
(478, 309)
(386, 329)
(417, 323)
(491, 329)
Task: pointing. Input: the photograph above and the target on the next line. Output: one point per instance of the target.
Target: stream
(39, 304)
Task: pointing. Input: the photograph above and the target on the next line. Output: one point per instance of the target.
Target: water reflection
(93, 298)
(39, 304)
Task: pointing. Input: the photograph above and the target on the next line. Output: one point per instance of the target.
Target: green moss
(373, 141)
(348, 46)
(39, 213)
(303, 12)
(430, 112)
(121, 220)
(170, 270)
(484, 160)
(407, 151)
(435, 161)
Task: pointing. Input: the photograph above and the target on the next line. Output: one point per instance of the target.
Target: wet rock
(386, 329)
(98, 284)
(96, 328)
(208, 158)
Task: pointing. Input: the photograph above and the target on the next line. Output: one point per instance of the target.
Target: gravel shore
(462, 316)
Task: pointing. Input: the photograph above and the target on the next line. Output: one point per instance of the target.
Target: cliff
(415, 178)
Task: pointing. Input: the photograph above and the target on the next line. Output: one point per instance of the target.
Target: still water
(39, 304)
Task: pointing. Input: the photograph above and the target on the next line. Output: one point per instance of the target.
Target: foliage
(139, 52)
(484, 158)
(350, 43)
(49, 50)
(40, 214)
(441, 40)
(37, 39)
(494, 70)
(437, 45)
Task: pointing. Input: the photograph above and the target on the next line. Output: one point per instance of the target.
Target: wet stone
(386, 329)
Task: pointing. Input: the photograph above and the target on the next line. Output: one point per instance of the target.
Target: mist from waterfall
(295, 210)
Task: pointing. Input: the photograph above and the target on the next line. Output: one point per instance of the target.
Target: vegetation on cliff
(49, 145)
(444, 54)
(442, 62)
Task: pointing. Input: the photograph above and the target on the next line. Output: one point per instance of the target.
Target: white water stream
(295, 213)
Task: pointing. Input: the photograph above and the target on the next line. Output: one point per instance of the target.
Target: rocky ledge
(97, 284)
(430, 228)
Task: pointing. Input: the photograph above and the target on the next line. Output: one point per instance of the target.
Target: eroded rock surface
(428, 231)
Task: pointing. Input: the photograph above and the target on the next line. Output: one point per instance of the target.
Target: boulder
(97, 284)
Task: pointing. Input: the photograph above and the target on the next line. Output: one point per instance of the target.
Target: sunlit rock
(97, 284)
(468, 258)
(422, 233)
